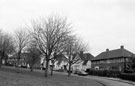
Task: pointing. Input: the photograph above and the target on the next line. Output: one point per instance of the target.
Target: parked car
(69, 71)
(82, 73)
(22, 66)
(9, 64)
(76, 71)
(87, 70)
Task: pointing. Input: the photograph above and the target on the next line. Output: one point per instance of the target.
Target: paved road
(61, 79)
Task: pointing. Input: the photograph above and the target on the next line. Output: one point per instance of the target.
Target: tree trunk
(69, 70)
(52, 69)
(31, 68)
(6, 60)
(18, 65)
(18, 62)
(46, 69)
(2, 55)
(0, 62)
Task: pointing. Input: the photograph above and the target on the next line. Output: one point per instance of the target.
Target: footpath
(121, 80)
(107, 81)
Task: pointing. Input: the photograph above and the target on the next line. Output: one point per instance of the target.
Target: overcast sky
(101, 23)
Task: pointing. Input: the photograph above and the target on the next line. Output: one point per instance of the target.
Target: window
(108, 61)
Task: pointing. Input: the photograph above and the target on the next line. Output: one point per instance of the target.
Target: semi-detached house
(118, 59)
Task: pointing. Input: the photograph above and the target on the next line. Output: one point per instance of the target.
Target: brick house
(118, 59)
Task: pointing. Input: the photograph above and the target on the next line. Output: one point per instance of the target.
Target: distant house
(118, 59)
(85, 62)
(60, 62)
(12, 60)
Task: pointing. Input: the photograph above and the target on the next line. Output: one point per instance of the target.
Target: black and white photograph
(67, 42)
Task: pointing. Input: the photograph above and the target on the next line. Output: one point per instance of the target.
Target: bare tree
(58, 53)
(21, 42)
(6, 46)
(55, 58)
(33, 54)
(50, 34)
(74, 49)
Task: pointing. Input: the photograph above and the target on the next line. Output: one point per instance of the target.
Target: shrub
(60, 70)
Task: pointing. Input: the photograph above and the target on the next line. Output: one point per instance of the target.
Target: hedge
(112, 73)
(108, 73)
(128, 76)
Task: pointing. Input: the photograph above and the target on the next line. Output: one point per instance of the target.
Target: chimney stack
(122, 47)
(107, 50)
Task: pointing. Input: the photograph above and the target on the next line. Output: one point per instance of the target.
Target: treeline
(50, 37)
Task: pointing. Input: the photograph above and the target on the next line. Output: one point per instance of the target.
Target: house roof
(114, 54)
(61, 58)
(87, 57)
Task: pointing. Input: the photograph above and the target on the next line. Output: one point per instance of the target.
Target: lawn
(8, 77)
